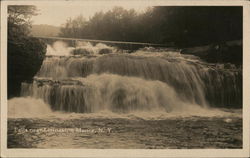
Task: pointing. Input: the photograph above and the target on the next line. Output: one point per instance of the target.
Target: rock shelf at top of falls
(47, 81)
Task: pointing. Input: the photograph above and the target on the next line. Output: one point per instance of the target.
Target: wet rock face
(25, 58)
(80, 51)
(105, 51)
(227, 52)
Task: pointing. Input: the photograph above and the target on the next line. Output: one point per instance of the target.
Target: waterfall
(94, 78)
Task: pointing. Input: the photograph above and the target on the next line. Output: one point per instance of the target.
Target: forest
(179, 26)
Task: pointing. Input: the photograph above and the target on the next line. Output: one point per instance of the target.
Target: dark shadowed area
(25, 54)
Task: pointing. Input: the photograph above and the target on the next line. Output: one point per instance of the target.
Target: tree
(19, 20)
(25, 54)
(75, 28)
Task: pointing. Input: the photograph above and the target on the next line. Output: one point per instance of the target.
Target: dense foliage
(176, 26)
(25, 54)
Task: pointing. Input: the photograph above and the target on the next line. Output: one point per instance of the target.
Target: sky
(58, 14)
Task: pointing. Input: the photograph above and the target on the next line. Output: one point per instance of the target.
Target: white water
(147, 83)
(26, 107)
(108, 92)
(60, 48)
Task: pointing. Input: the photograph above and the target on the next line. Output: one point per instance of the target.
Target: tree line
(180, 26)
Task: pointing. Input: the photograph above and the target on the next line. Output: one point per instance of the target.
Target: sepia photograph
(106, 75)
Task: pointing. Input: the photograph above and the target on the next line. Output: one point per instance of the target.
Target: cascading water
(95, 78)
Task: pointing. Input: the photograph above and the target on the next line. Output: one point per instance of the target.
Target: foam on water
(60, 48)
(26, 107)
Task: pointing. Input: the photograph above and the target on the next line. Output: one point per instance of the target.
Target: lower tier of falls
(105, 92)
